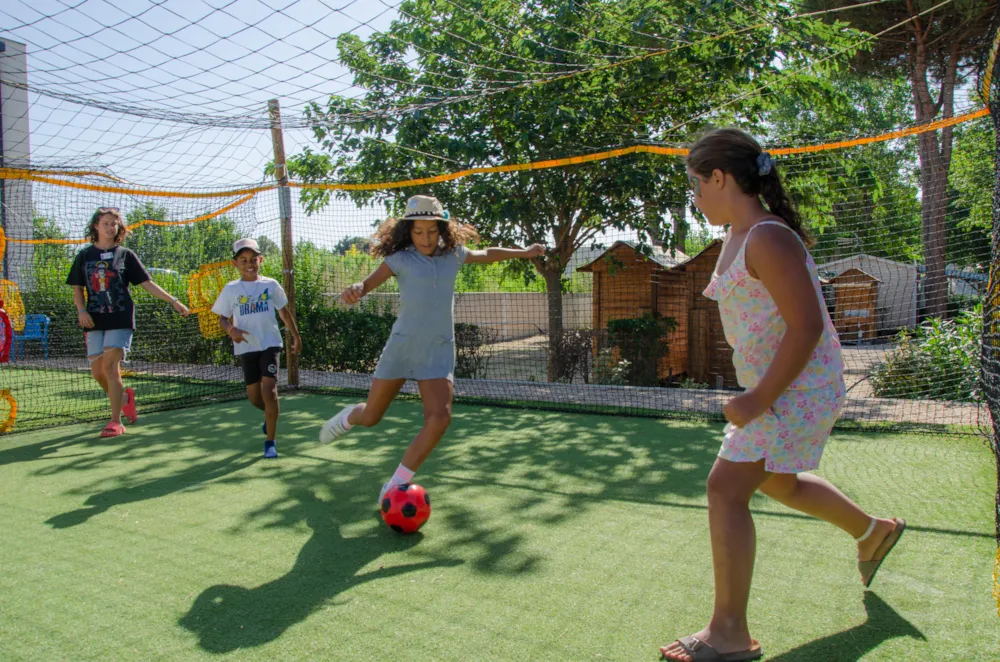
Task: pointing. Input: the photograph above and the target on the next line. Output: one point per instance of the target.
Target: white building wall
(17, 200)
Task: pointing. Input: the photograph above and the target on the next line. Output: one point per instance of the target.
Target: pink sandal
(112, 429)
(128, 405)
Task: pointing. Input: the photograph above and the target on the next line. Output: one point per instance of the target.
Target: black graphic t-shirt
(107, 274)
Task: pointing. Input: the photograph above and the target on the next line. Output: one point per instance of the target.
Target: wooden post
(287, 245)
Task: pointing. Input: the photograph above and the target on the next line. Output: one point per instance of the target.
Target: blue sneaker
(270, 451)
(263, 428)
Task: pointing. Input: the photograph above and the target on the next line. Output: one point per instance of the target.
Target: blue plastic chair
(36, 327)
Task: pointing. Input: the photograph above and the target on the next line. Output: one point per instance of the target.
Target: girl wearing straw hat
(423, 250)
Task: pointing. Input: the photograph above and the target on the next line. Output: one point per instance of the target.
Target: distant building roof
(667, 259)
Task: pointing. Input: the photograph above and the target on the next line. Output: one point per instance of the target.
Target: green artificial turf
(56, 397)
(553, 537)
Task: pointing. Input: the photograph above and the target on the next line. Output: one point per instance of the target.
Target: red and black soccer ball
(405, 507)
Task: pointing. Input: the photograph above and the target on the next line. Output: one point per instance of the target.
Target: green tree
(43, 227)
(181, 248)
(972, 172)
(859, 199)
(436, 102)
(937, 48)
(345, 244)
(268, 248)
(51, 262)
(971, 199)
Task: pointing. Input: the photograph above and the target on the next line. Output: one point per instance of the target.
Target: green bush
(692, 384)
(609, 370)
(343, 340)
(472, 350)
(642, 342)
(572, 355)
(940, 361)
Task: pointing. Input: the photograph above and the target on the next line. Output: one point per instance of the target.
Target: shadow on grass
(227, 618)
(196, 475)
(538, 459)
(43, 450)
(883, 624)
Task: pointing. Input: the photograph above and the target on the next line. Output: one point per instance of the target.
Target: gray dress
(422, 344)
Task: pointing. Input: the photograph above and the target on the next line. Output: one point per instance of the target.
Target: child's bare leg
(818, 497)
(436, 395)
(253, 394)
(97, 370)
(380, 396)
(269, 397)
(730, 486)
(112, 373)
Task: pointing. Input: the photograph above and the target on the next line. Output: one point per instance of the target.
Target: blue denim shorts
(98, 341)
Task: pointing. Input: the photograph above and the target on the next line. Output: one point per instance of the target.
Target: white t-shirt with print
(253, 306)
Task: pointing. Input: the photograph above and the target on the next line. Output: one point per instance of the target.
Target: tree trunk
(934, 183)
(553, 288)
(679, 240)
(935, 160)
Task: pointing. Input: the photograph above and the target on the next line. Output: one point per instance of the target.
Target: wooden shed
(855, 295)
(628, 284)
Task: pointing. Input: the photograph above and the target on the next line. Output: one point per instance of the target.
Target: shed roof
(663, 258)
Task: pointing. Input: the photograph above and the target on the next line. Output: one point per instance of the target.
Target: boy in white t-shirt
(246, 310)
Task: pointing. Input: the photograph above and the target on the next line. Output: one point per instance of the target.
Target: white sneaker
(334, 427)
(381, 495)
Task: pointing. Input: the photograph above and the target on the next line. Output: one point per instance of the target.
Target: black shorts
(260, 364)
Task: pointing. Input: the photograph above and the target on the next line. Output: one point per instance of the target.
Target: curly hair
(394, 236)
(92, 235)
(734, 152)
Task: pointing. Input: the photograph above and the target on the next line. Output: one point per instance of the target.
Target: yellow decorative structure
(8, 422)
(10, 293)
(203, 289)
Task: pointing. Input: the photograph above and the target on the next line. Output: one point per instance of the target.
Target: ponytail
(779, 204)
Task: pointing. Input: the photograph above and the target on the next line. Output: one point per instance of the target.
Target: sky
(128, 86)
(160, 62)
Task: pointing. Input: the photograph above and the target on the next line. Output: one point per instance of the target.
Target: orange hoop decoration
(8, 423)
(10, 294)
(203, 289)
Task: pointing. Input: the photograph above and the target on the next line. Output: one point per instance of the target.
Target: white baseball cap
(243, 244)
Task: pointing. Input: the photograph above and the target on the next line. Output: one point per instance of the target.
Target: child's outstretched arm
(491, 255)
(776, 258)
(354, 293)
(163, 295)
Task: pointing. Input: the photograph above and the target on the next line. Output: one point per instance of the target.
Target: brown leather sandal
(869, 568)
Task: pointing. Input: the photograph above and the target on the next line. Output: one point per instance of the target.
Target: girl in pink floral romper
(787, 358)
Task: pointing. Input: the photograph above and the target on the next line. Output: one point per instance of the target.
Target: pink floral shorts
(791, 435)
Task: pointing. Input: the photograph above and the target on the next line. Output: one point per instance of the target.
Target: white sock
(343, 418)
(402, 475)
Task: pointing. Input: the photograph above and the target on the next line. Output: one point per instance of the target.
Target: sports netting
(989, 79)
(612, 319)
(556, 122)
(628, 330)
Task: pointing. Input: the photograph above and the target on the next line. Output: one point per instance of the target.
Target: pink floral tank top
(754, 327)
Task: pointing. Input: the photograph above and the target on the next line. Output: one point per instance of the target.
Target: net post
(287, 245)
